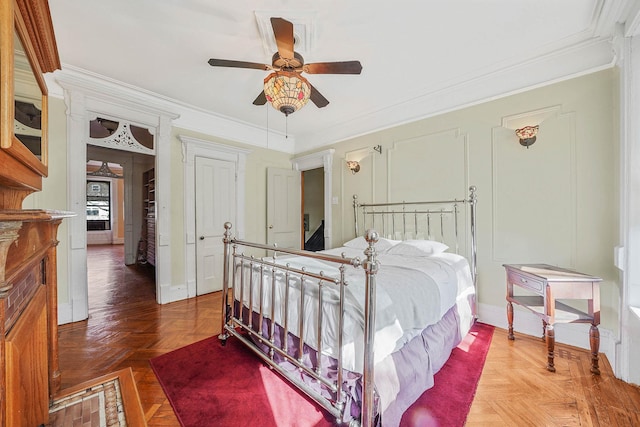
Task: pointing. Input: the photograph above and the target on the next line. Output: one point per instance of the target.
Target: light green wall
(555, 202)
(568, 179)
(54, 187)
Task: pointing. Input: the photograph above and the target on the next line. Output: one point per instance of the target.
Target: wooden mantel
(29, 367)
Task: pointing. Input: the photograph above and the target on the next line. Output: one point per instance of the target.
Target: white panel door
(283, 208)
(215, 204)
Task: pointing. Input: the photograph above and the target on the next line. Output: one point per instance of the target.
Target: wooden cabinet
(27, 50)
(29, 369)
(149, 216)
(26, 364)
(29, 373)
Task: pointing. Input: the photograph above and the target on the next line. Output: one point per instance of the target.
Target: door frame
(192, 148)
(321, 159)
(86, 101)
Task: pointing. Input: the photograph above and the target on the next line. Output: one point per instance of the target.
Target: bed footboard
(284, 293)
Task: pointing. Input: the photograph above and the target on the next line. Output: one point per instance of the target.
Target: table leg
(594, 342)
(551, 341)
(510, 320)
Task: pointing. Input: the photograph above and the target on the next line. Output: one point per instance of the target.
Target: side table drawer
(527, 282)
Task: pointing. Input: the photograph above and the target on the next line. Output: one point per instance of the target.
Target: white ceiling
(419, 58)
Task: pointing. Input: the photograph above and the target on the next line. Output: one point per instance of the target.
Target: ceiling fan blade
(317, 98)
(238, 64)
(260, 99)
(345, 67)
(283, 31)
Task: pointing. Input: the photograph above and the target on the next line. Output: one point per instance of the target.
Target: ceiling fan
(285, 88)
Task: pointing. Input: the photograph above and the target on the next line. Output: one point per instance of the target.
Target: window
(98, 205)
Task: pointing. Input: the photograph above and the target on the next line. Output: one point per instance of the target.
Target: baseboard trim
(64, 314)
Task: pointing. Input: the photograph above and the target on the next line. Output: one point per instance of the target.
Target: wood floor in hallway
(126, 328)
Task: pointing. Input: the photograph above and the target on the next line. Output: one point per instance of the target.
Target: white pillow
(417, 248)
(361, 243)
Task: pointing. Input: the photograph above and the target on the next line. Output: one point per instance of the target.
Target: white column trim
(165, 291)
(628, 63)
(77, 133)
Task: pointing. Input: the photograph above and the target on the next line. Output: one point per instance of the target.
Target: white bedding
(411, 294)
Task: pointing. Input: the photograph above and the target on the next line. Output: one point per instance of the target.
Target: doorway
(322, 160)
(94, 104)
(313, 209)
(116, 197)
(210, 155)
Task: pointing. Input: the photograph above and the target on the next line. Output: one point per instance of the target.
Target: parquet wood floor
(515, 388)
(126, 327)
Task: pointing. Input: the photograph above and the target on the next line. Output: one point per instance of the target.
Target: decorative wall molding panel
(524, 192)
(436, 155)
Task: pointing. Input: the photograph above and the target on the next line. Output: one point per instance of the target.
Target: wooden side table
(549, 284)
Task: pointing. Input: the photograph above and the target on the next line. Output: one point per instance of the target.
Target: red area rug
(211, 385)
(447, 403)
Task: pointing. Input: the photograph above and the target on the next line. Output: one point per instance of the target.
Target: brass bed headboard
(421, 220)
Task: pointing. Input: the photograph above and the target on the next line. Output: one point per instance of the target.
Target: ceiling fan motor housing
(288, 64)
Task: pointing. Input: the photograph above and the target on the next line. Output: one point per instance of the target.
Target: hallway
(112, 283)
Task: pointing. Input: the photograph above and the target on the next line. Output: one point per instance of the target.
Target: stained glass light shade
(287, 91)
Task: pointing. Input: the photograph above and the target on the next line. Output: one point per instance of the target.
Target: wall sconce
(353, 166)
(527, 135)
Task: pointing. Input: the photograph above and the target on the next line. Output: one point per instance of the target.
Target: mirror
(27, 51)
(27, 123)
(23, 125)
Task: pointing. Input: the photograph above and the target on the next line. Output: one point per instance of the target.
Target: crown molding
(184, 116)
(588, 56)
(580, 57)
(632, 21)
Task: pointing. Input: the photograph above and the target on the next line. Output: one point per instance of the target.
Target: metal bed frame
(251, 328)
